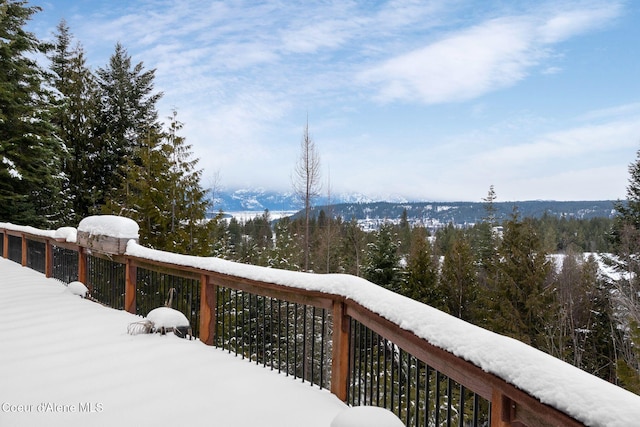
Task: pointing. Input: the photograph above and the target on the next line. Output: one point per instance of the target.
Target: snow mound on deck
(77, 288)
(165, 317)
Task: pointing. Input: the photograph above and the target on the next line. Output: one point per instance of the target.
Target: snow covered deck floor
(68, 361)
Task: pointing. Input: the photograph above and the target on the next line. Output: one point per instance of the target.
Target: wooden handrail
(510, 406)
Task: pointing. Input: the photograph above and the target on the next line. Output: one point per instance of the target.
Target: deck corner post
(131, 273)
(207, 310)
(48, 258)
(502, 410)
(340, 351)
(25, 249)
(82, 266)
(5, 244)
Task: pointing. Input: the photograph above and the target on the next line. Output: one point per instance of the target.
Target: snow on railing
(370, 346)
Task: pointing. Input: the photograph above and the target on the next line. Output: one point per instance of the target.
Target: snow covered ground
(68, 361)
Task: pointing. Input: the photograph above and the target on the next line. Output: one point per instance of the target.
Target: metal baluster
(416, 417)
(461, 410)
(407, 391)
(279, 335)
(271, 332)
(351, 370)
(322, 344)
(304, 341)
(313, 343)
(427, 394)
(449, 400)
(385, 372)
(264, 327)
(287, 327)
(378, 341)
(235, 323)
(437, 398)
(244, 324)
(295, 342)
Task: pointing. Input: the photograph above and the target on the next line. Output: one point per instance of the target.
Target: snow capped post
(107, 233)
(110, 234)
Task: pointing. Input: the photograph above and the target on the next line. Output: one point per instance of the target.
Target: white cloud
(569, 23)
(489, 56)
(459, 67)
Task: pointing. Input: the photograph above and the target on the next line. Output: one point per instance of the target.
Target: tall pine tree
(521, 300)
(128, 117)
(626, 294)
(383, 261)
(30, 157)
(74, 110)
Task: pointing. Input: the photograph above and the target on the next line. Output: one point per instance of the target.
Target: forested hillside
(462, 213)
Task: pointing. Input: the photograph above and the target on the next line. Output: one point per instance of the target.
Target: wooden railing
(332, 331)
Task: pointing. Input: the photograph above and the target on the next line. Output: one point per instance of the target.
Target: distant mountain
(468, 212)
(254, 200)
(258, 199)
(365, 208)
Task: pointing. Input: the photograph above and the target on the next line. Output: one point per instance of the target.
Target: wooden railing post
(82, 266)
(340, 351)
(130, 273)
(5, 244)
(48, 258)
(207, 310)
(502, 410)
(24, 249)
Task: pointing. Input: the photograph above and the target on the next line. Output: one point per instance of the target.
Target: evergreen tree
(383, 262)
(162, 193)
(459, 281)
(629, 210)
(286, 251)
(73, 115)
(521, 301)
(30, 157)
(404, 233)
(422, 272)
(352, 248)
(127, 118)
(626, 295)
(220, 237)
(486, 242)
(189, 204)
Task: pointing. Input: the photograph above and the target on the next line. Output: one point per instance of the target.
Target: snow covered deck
(64, 356)
(68, 361)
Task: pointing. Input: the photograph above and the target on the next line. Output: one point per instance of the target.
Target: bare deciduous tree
(306, 182)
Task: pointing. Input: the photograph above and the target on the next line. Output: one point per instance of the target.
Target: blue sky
(430, 100)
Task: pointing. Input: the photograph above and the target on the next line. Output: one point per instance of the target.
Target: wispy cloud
(472, 61)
